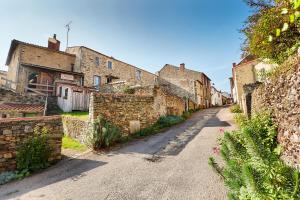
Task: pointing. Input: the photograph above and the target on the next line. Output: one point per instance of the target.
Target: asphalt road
(170, 165)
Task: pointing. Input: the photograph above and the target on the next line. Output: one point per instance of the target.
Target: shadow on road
(66, 169)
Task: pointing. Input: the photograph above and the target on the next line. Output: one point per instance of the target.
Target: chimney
(53, 43)
(182, 67)
(233, 64)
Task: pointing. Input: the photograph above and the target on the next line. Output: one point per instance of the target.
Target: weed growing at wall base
(253, 169)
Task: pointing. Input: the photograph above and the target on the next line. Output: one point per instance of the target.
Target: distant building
(216, 97)
(196, 85)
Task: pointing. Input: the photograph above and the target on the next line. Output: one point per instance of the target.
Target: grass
(78, 114)
(70, 143)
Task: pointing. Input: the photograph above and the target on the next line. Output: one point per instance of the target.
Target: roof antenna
(68, 30)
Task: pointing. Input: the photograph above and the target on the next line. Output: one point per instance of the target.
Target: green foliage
(269, 34)
(6, 177)
(186, 114)
(128, 90)
(77, 114)
(34, 152)
(103, 134)
(162, 122)
(253, 169)
(70, 143)
(235, 109)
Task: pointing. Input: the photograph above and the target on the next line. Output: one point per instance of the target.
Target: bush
(128, 90)
(236, 109)
(253, 169)
(186, 114)
(103, 134)
(162, 122)
(34, 152)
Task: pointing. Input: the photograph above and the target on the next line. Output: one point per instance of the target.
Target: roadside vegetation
(70, 143)
(32, 155)
(253, 169)
(235, 109)
(77, 114)
(104, 134)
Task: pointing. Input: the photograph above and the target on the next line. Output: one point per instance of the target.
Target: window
(138, 74)
(4, 116)
(59, 91)
(109, 80)
(97, 82)
(97, 61)
(109, 64)
(66, 93)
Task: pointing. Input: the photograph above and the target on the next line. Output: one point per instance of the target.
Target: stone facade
(95, 64)
(14, 131)
(124, 110)
(75, 128)
(281, 95)
(195, 84)
(33, 64)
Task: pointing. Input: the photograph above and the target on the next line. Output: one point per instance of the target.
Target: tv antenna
(68, 30)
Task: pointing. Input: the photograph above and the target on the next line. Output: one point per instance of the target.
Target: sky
(203, 34)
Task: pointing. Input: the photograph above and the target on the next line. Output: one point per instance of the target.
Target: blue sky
(203, 34)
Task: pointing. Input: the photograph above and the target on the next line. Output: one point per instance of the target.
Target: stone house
(191, 84)
(247, 72)
(31, 67)
(100, 69)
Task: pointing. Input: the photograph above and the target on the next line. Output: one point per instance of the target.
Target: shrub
(236, 109)
(253, 169)
(34, 152)
(128, 90)
(186, 114)
(162, 122)
(103, 134)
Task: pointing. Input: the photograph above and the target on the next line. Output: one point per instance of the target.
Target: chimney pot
(233, 64)
(54, 36)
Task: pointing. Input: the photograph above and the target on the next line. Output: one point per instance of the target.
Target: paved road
(171, 165)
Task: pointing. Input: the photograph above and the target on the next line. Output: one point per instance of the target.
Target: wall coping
(120, 95)
(44, 118)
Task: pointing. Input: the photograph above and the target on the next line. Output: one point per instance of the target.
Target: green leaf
(284, 11)
(270, 39)
(285, 27)
(297, 14)
(292, 18)
(278, 32)
(296, 4)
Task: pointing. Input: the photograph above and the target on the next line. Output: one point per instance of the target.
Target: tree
(268, 35)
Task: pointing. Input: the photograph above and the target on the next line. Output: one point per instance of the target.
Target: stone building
(31, 67)
(250, 70)
(193, 84)
(100, 69)
(3, 75)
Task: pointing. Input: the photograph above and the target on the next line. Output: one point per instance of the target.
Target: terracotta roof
(26, 108)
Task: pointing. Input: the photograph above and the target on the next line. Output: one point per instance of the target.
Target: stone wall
(124, 110)
(14, 131)
(281, 95)
(75, 128)
(7, 96)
